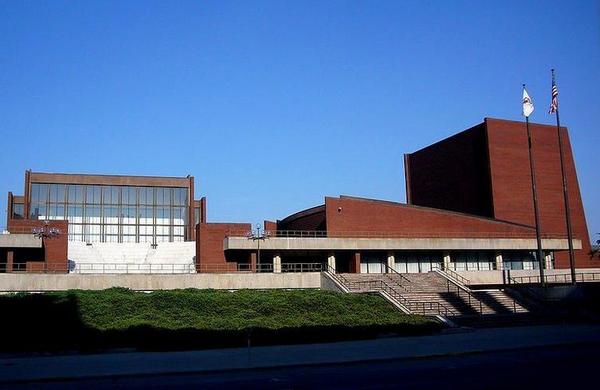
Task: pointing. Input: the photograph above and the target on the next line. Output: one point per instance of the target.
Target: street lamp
(45, 231)
(256, 235)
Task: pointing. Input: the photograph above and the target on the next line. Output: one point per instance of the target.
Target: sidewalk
(152, 363)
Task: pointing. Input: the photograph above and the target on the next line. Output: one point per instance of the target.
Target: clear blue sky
(273, 105)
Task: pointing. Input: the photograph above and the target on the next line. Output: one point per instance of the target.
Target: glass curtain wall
(418, 261)
(17, 211)
(102, 213)
(472, 261)
(523, 260)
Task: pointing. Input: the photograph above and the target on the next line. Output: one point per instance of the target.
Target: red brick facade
(54, 257)
(210, 256)
(502, 179)
(349, 216)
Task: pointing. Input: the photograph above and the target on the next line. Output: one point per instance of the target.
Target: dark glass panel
(39, 193)
(18, 211)
(115, 194)
(57, 193)
(35, 193)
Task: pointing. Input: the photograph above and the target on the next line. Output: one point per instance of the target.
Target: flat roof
(119, 180)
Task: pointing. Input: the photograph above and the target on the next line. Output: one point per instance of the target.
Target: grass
(193, 319)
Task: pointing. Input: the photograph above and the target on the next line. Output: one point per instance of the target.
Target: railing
(424, 307)
(390, 270)
(133, 268)
(337, 277)
(34, 267)
(377, 285)
(557, 278)
(452, 274)
(418, 307)
(386, 234)
(127, 268)
(463, 290)
(301, 267)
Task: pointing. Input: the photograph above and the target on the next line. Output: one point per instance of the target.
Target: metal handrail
(424, 305)
(301, 267)
(34, 267)
(464, 289)
(402, 277)
(452, 274)
(337, 277)
(385, 234)
(381, 285)
(557, 278)
(131, 268)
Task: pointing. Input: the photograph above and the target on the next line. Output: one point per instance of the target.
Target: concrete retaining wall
(495, 277)
(59, 282)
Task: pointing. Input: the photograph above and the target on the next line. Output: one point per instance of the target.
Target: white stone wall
(166, 257)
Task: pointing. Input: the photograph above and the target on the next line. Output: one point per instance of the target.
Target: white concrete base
(61, 282)
(495, 277)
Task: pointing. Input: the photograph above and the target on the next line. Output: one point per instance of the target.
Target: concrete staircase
(433, 294)
(166, 257)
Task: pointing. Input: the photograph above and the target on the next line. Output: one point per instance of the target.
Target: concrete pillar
(391, 260)
(252, 261)
(499, 262)
(355, 263)
(331, 262)
(277, 263)
(447, 260)
(548, 259)
(10, 255)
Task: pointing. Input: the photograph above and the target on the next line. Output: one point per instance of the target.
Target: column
(277, 263)
(252, 261)
(548, 260)
(355, 263)
(447, 260)
(391, 260)
(331, 262)
(9, 261)
(499, 262)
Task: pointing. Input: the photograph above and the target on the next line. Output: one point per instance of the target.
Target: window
(113, 213)
(57, 193)
(196, 215)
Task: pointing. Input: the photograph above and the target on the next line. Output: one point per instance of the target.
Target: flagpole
(565, 192)
(536, 213)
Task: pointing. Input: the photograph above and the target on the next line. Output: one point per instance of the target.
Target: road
(535, 368)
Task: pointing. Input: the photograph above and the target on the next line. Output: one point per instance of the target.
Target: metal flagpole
(535, 202)
(564, 182)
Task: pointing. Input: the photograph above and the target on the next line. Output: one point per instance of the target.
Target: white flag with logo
(527, 104)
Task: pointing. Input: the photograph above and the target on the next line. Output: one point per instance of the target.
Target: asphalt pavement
(372, 355)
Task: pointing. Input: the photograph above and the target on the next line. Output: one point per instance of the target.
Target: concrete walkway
(20, 369)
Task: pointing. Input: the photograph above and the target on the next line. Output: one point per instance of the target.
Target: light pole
(45, 231)
(258, 237)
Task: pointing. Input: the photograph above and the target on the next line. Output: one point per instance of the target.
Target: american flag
(554, 103)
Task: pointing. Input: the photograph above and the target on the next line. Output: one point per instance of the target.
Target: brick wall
(210, 256)
(347, 214)
(309, 219)
(452, 174)
(511, 182)
(55, 249)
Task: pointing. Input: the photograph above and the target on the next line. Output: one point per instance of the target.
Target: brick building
(469, 207)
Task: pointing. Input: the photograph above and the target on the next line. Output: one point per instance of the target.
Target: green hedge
(192, 319)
